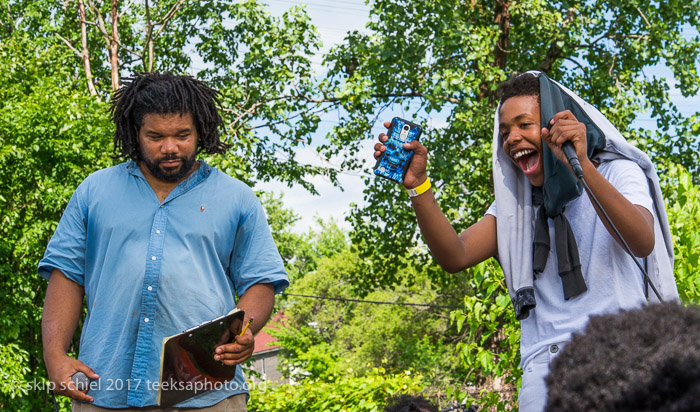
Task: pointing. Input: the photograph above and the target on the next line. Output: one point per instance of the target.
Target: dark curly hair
(525, 84)
(165, 93)
(409, 403)
(638, 360)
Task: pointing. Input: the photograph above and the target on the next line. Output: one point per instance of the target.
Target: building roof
(263, 340)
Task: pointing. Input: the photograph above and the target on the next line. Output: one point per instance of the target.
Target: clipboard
(187, 365)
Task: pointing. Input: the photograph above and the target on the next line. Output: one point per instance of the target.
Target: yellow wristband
(420, 189)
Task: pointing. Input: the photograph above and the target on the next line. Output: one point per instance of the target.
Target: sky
(333, 20)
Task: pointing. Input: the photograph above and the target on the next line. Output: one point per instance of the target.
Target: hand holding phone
(393, 162)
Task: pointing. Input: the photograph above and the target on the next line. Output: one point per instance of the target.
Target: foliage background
(429, 58)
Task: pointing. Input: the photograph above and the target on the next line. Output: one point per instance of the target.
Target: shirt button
(153, 258)
(146, 320)
(158, 231)
(150, 288)
(554, 348)
(162, 205)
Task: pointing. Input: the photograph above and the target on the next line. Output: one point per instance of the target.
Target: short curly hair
(525, 84)
(638, 360)
(165, 93)
(409, 403)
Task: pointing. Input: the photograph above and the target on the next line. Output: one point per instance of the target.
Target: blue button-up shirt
(152, 269)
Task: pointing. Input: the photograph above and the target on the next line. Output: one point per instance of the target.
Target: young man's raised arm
(634, 222)
(453, 252)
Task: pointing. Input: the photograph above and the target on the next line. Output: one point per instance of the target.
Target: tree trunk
(114, 47)
(502, 18)
(85, 53)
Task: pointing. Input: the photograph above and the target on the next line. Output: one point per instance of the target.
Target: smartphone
(393, 163)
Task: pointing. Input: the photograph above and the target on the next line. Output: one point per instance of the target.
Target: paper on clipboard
(187, 365)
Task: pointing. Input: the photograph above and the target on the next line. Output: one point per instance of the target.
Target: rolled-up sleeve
(66, 249)
(255, 256)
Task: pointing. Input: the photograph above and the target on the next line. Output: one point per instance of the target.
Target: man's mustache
(171, 157)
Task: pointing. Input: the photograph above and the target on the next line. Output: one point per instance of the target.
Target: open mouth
(527, 159)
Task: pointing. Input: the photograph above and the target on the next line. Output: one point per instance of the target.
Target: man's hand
(562, 128)
(61, 370)
(256, 302)
(416, 174)
(236, 352)
(62, 309)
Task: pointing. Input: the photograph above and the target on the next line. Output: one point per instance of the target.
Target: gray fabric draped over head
(560, 187)
(522, 259)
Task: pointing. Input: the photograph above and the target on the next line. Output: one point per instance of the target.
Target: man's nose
(169, 145)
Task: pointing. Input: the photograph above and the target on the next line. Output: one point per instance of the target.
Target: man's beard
(169, 176)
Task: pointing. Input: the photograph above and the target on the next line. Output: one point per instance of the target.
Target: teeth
(522, 153)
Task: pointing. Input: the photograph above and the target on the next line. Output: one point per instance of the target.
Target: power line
(334, 7)
(376, 302)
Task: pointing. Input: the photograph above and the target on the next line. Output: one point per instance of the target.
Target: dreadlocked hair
(165, 93)
(525, 84)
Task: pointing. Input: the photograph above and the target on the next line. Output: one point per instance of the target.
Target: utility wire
(376, 302)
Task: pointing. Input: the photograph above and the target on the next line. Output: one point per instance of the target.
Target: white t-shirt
(614, 281)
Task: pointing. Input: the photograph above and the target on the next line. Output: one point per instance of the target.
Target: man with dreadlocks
(156, 245)
(561, 260)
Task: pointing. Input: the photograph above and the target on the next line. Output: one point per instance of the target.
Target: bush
(683, 209)
(348, 393)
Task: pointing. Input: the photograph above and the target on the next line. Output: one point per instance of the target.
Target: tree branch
(100, 22)
(274, 123)
(114, 47)
(333, 100)
(126, 8)
(168, 16)
(85, 55)
(502, 18)
(70, 46)
(643, 16)
(150, 37)
(584, 70)
(556, 47)
(148, 64)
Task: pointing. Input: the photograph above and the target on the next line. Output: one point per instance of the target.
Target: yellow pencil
(246, 326)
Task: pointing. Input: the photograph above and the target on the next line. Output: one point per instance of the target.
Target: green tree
(51, 137)
(433, 58)
(683, 208)
(328, 335)
(61, 60)
(261, 63)
(429, 58)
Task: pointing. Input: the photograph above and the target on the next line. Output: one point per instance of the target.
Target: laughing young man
(561, 262)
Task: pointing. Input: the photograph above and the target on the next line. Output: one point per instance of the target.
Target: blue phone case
(393, 163)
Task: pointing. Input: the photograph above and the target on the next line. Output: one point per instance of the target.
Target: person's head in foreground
(639, 360)
(409, 403)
